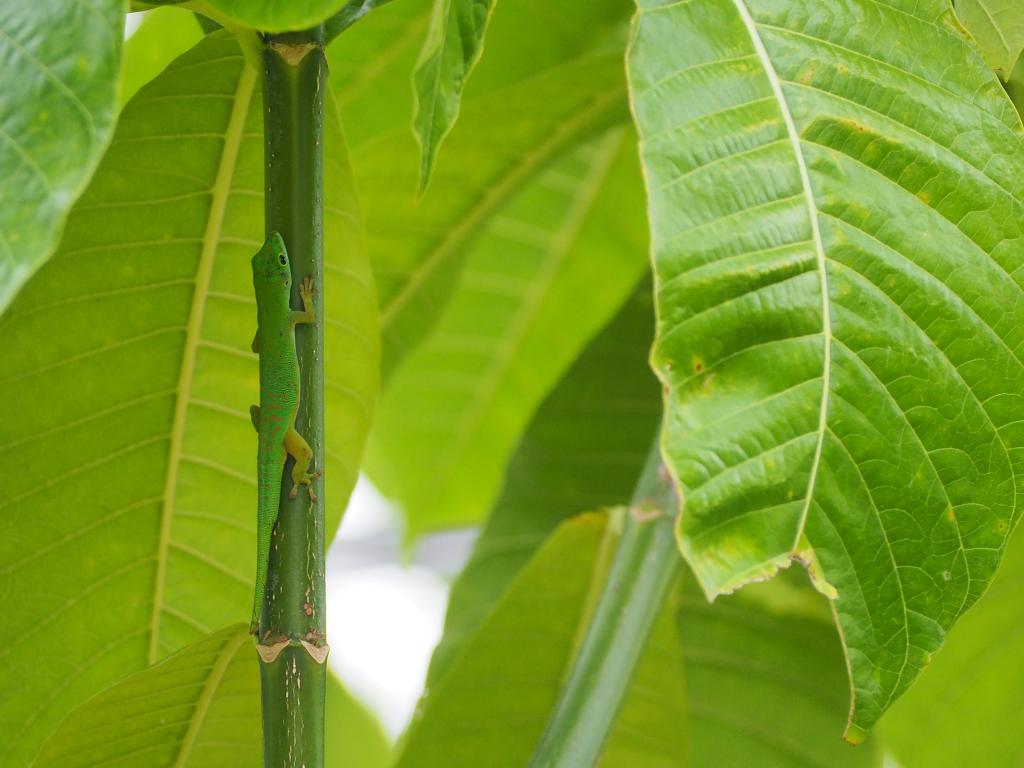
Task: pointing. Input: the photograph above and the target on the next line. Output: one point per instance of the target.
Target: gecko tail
(269, 499)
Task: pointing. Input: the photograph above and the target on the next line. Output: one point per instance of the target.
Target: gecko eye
(283, 259)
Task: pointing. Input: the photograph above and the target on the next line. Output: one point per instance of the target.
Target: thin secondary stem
(645, 563)
(293, 643)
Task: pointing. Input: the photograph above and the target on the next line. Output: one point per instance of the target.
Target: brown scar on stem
(269, 652)
(645, 511)
(292, 53)
(317, 652)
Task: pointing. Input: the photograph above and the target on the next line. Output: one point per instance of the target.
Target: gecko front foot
(306, 289)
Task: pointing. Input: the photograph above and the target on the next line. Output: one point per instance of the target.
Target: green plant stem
(644, 564)
(293, 683)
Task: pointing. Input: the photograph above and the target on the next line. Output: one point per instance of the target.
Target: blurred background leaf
(162, 36)
(58, 77)
(543, 276)
(547, 81)
(199, 708)
(753, 680)
(567, 461)
(998, 27)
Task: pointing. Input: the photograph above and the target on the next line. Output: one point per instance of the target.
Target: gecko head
(270, 263)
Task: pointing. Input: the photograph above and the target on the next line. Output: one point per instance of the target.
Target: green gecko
(274, 417)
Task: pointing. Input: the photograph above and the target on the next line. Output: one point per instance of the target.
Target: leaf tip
(855, 734)
(427, 153)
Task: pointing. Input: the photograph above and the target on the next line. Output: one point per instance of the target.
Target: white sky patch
(386, 609)
(383, 624)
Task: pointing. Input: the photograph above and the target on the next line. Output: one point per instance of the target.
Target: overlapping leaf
(128, 373)
(350, 13)
(835, 200)
(272, 15)
(998, 26)
(198, 708)
(740, 683)
(540, 280)
(59, 63)
(469, 718)
(765, 680)
(568, 460)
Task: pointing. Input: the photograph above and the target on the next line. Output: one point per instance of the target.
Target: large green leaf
(451, 50)
(58, 76)
(127, 366)
(541, 279)
(539, 91)
(965, 709)
(199, 707)
(998, 26)
(835, 202)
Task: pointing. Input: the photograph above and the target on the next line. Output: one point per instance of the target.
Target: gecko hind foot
(308, 482)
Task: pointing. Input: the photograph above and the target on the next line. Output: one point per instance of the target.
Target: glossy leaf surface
(59, 65)
(835, 202)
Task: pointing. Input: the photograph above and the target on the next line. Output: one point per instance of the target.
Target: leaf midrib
(233, 135)
(819, 250)
(794, 137)
(224, 658)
